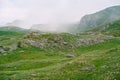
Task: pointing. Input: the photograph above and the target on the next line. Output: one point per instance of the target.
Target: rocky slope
(99, 18)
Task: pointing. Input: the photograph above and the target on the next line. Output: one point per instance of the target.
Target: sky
(50, 11)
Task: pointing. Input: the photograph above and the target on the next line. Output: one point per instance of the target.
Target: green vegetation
(99, 62)
(112, 28)
(10, 35)
(13, 29)
(90, 62)
(91, 55)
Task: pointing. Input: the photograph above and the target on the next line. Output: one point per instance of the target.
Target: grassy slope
(112, 28)
(10, 35)
(8, 38)
(97, 62)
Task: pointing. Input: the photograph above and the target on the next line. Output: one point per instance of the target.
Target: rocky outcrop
(94, 40)
(61, 41)
(49, 41)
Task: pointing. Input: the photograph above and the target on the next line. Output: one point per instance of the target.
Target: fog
(27, 13)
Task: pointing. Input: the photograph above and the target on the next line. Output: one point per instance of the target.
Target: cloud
(50, 11)
(9, 12)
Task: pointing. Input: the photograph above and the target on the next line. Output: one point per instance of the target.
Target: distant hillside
(109, 28)
(99, 18)
(13, 29)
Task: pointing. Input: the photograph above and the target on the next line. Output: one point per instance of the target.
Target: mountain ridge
(99, 18)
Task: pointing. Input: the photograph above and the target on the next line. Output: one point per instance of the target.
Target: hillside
(99, 18)
(9, 36)
(88, 61)
(92, 55)
(112, 28)
(13, 29)
(39, 55)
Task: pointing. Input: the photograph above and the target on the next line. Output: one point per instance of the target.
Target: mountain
(99, 18)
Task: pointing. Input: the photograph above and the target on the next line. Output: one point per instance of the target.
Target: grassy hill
(94, 62)
(13, 29)
(10, 35)
(112, 28)
(95, 57)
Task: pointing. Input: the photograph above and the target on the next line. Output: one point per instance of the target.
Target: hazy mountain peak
(104, 16)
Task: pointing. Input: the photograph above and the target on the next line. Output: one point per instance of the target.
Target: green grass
(97, 62)
(102, 46)
(112, 28)
(8, 38)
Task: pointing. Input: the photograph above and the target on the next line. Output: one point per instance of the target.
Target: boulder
(65, 43)
(87, 69)
(2, 50)
(12, 48)
(70, 55)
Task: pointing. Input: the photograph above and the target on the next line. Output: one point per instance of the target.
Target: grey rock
(65, 43)
(87, 69)
(70, 55)
(2, 50)
(12, 48)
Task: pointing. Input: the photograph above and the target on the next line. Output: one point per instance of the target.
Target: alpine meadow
(59, 40)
